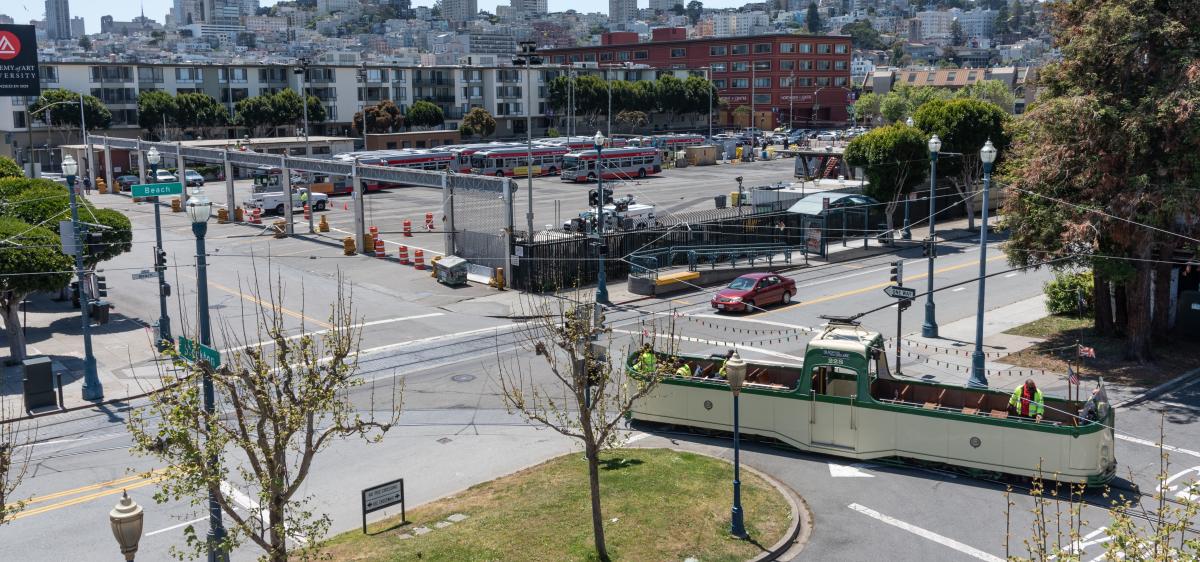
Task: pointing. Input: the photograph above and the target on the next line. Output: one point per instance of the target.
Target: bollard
(222, 216)
(348, 246)
(176, 205)
(307, 212)
(380, 249)
(324, 224)
(402, 254)
(101, 186)
(433, 266)
(238, 214)
(407, 227)
(419, 259)
(499, 278)
(428, 221)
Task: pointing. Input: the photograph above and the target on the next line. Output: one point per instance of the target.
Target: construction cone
(380, 250)
(419, 259)
(402, 253)
(428, 221)
(307, 212)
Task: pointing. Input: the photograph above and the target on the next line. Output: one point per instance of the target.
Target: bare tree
(588, 394)
(280, 402)
(14, 460)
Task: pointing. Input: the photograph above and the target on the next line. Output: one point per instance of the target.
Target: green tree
(10, 169)
(286, 108)
(867, 107)
(632, 120)
(863, 35)
(958, 37)
(1016, 20)
(671, 96)
(694, 9)
(701, 94)
(742, 113)
(964, 125)
(1104, 163)
(45, 202)
(317, 113)
(156, 110)
(424, 114)
(678, 10)
(480, 122)
(1001, 26)
(383, 117)
(895, 159)
(31, 263)
(85, 43)
(255, 113)
(200, 112)
(993, 91)
(813, 18)
(66, 114)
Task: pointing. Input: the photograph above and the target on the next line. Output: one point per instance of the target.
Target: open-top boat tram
(842, 400)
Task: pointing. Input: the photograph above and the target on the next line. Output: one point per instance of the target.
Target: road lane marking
(390, 346)
(1149, 443)
(1010, 275)
(173, 527)
(319, 332)
(873, 287)
(957, 289)
(111, 483)
(75, 501)
(926, 534)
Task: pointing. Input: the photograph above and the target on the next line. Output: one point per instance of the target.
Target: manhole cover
(444, 440)
(462, 378)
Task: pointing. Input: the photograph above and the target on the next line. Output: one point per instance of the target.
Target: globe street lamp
(199, 209)
(92, 389)
(930, 328)
(126, 521)
(735, 369)
(160, 259)
(599, 142)
(978, 379)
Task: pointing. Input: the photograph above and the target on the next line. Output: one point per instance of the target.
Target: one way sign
(898, 292)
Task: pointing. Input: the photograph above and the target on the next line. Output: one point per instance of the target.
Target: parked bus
(462, 153)
(619, 163)
(431, 160)
(579, 143)
(511, 161)
(671, 142)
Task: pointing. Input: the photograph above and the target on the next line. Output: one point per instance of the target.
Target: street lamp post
(708, 76)
(302, 71)
(160, 259)
(930, 328)
(199, 209)
(735, 369)
(599, 141)
(92, 389)
(527, 58)
(362, 75)
(126, 520)
(978, 379)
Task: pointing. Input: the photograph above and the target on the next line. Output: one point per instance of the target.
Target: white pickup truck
(274, 201)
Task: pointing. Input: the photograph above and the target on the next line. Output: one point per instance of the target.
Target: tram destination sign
(157, 189)
(898, 292)
(382, 496)
(19, 62)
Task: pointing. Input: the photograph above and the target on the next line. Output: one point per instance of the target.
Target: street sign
(187, 350)
(382, 496)
(144, 274)
(898, 292)
(157, 189)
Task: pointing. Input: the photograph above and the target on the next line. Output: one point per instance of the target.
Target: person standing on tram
(646, 362)
(1027, 401)
(721, 371)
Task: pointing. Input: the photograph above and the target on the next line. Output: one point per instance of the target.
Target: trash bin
(451, 270)
(38, 380)
(720, 201)
(734, 198)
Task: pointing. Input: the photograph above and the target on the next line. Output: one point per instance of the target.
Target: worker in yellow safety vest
(1027, 401)
(721, 371)
(684, 371)
(647, 360)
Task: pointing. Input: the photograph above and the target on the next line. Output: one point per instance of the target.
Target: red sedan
(753, 291)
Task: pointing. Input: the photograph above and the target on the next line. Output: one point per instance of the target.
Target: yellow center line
(81, 489)
(266, 304)
(876, 286)
(118, 487)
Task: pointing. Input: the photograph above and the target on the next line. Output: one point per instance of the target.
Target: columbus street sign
(18, 62)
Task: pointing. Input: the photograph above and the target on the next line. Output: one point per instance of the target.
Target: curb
(1158, 390)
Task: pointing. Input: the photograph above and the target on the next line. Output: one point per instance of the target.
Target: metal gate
(479, 218)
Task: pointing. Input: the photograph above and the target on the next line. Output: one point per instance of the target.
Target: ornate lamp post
(126, 521)
(199, 209)
(599, 142)
(930, 328)
(735, 369)
(92, 389)
(978, 379)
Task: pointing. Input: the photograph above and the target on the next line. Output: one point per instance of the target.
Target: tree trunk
(1162, 293)
(1102, 297)
(592, 452)
(1120, 315)
(969, 205)
(11, 310)
(277, 533)
(1137, 296)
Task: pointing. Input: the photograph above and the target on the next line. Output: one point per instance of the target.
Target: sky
(124, 10)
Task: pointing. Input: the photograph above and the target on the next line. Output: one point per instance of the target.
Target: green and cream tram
(843, 401)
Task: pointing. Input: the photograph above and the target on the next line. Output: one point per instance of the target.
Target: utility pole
(302, 70)
(708, 76)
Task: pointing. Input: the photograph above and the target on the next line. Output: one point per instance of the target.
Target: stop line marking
(926, 534)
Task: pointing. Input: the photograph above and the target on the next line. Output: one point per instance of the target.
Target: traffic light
(160, 259)
(593, 197)
(101, 287)
(165, 289)
(898, 272)
(928, 247)
(92, 243)
(608, 196)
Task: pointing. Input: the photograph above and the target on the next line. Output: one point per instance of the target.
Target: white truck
(622, 214)
(273, 201)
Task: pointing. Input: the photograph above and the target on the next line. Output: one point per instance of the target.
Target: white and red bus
(432, 160)
(511, 161)
(578, 143)
(618, 163)
(671, 142)
(463, 152)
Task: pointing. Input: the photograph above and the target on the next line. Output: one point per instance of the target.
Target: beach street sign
(897, 292)
(188, 350)
(157, 189)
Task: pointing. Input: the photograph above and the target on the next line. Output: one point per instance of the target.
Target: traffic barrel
(402, 253)
(256, 216)
(407, 227)
(428, 221)
(374, 233)
(380, 249)
(419, 259)
(307, 212)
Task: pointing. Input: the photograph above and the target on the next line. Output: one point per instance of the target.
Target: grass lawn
(1060, 331)
(659, 505)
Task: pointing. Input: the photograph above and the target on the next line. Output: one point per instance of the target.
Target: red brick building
(762, 66)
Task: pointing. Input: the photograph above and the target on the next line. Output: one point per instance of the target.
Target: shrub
(552, 133)
(10, 169)
(1065, 292)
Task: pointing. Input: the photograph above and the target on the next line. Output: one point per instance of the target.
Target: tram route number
(834, 357)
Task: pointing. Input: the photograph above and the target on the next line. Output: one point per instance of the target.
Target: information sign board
(19, 62)
(382, 496)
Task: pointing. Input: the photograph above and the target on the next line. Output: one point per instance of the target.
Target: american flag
(1072, 376)
(1085, 351)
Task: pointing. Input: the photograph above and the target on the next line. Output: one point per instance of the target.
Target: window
(760, 48)
(787, 65)
(19, 119)
(623, 55)
(950, 76)
(823, 65)
(589, 57)
(678, 53)
(48, 73)
(804, 81)
(806, 65)
(187, 74)
(971, 76)
(508, 92)
(224, 74)
(929, 77)
(605, 56)
(762, 82)
(718, 67)
(785, 82)
(150, 74)
(641, 55)
(717, 51)
(912, 77)
(823, 49)
(719, 83)
(806, 47)
(787, 47)
(741, 82)
(839, 65)
(762, 98)
(840, 48)
(398, 75)
(822, 80)
(376, 75)
(839, 81)
(741, 66)
(238, 94)
(741, 49)
(762, 65)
